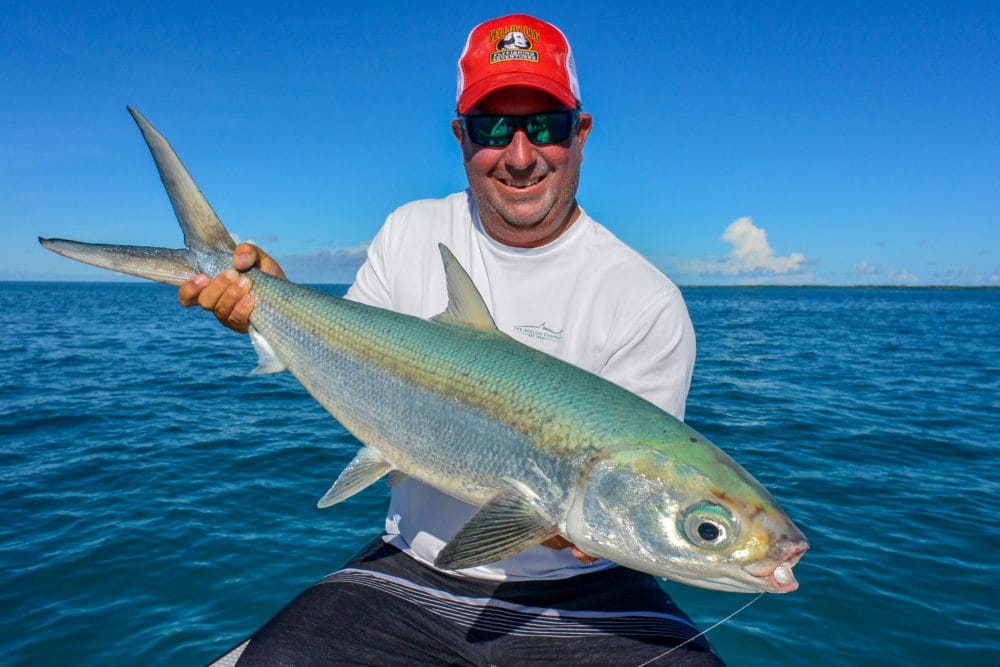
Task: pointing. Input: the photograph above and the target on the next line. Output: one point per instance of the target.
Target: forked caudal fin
(209, 244)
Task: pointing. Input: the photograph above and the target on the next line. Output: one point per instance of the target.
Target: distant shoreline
(874, 286)
(138, 281)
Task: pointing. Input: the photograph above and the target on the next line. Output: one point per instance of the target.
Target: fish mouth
(778, 578)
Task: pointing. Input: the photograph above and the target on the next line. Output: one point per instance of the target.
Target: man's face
(526, 194)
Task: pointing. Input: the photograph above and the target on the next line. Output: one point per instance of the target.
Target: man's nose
(520, 151)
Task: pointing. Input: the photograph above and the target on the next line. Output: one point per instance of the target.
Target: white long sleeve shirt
(586, 298)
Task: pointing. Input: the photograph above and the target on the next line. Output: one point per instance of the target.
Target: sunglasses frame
(520, 122)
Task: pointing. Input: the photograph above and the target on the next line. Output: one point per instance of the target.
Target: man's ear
(458, 130)
(583, 126)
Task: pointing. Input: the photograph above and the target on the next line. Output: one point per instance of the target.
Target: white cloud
(752, 253)
(751, 259)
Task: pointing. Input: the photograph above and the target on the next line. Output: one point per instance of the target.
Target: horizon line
(141, 281)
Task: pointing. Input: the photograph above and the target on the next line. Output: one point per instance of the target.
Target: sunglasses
(541, 128)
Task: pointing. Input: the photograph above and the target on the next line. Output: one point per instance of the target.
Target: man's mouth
(520, 184)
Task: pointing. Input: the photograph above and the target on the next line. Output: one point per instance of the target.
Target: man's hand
(228, 294)
(560, 542)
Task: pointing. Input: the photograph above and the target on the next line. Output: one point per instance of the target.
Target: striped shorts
(385, 608)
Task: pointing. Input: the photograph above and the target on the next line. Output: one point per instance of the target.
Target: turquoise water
(159, 502)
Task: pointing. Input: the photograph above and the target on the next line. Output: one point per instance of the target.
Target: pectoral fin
(506, 525)
(366, 469)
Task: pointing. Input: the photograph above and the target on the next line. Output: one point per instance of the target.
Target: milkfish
(542, 447)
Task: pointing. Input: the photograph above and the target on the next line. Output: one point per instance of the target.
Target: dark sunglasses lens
(549, 128)
(490, 130)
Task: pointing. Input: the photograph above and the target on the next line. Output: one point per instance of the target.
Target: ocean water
(158, 501)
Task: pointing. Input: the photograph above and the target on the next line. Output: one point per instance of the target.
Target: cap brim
(474, 93)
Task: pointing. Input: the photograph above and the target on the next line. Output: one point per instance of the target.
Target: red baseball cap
(516, 50)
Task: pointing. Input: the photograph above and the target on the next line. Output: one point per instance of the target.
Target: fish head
(690, 515)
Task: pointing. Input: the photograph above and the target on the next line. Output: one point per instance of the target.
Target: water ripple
(159, 502)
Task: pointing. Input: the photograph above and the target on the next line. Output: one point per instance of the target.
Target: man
(554, 279)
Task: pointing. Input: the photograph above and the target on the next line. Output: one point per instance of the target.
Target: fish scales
(435, 398)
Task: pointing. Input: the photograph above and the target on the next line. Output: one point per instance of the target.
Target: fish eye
(709, 531)
(708, 526)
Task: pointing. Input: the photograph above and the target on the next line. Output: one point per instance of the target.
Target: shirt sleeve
(372, 284)
(654, 356)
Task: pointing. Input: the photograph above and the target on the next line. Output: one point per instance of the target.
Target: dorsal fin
(465, 303)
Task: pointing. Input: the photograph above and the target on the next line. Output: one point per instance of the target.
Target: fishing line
(700, 634)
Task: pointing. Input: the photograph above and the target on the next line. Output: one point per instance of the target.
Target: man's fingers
(231, 307)
(238, 319)
(227, 295)
(268, 265)
(189, 290)
(246, 256)
(559, 542)
(212, 292)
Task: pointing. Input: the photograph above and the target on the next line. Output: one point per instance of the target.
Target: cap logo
(513, 42)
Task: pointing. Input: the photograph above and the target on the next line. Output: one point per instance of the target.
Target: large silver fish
(543, 447)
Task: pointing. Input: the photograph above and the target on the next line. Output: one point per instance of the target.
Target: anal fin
(364, 470)
(506, 525)
(267, 360)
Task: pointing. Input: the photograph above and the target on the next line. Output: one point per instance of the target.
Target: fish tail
(203, 231)
(160, 264)
(209, 245)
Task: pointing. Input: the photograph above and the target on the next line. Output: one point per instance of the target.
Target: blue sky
(797, 143)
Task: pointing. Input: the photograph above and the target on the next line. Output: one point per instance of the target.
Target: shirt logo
(539, 331)
(514, 43)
